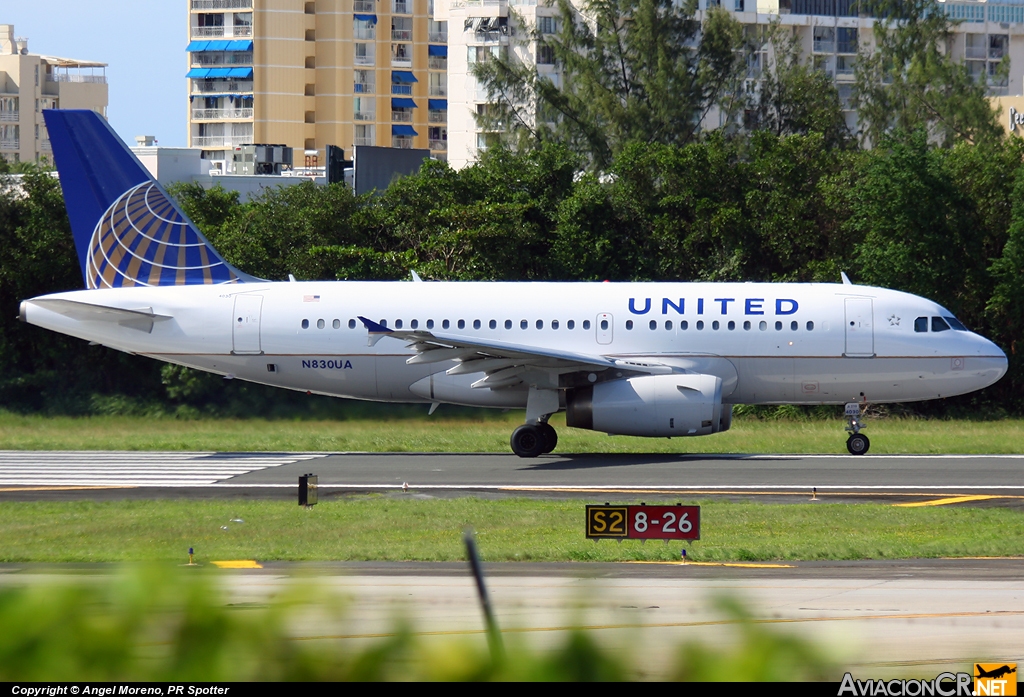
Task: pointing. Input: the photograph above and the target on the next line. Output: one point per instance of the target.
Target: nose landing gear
(857, 443)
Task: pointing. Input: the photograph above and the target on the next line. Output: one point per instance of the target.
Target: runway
(28, 474)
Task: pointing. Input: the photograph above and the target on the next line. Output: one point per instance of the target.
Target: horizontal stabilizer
(142, 319)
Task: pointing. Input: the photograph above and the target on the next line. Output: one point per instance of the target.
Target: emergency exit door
(860, 331)
(604, 329)
(245, 324)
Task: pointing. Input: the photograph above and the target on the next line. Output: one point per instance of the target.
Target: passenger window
(554, 324)
(430, 324)
(336, 324)
(700, 324)
(586, 324)
(794, 325)
(540, 324)
(398, 324)
(305, 324)
(604, 325)
(653, 324)
(684, 324)
(383, 323)
(351, 324)
(571, 324)
(715, 325)
(414, 323)
(492, 324)
(762, 325)
(508, 324)
(732, 325)
(629, 324)
(476, 324)
(746, 325)
(668, 324)
(523, 324)
(778, 326)
(921, 324)
(445, 324)
(320, 324)
(462, 324)
(939, 325)
(955, 323)
(810, 326)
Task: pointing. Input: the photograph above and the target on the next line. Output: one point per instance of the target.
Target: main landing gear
(533, 439)
(857, 443)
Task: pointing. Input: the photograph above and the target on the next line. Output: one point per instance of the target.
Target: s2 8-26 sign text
(643, 522)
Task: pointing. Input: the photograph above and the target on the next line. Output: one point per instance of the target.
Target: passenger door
(860, 333)
(245, 324)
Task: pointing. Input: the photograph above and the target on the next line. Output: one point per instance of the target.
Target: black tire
(528, 441)
(550, 437)
(858, 444)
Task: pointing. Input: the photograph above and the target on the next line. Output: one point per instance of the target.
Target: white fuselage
(770, 343)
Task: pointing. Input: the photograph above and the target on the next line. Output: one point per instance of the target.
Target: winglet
(415, 276)
(377, 331)
(846, 279)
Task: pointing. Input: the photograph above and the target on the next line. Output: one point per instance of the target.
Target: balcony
(437, 116)
(362, 140)
(824, 46)
(367, 32)
(209, 86)
(401, 142)
(365, 6)
(439, 90)
(438, 37)
(221, 4)
(399, 116)
(221, 31)
(364, 116)
(10, 144)
(438, 144)
(220, 141)
(44, 144)
(71, 77)
(242, 30)
(14, 116)
(401, 7)
(369, 59)
(848, 47)
(977, 52)
(219, 58)
(364, 88)
(401, 89)
(401, 34)
(221, 114)
(437, 63)
(207, 32)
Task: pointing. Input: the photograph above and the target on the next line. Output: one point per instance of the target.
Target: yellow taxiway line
(946, 501)
(742, 565)
(238, 564)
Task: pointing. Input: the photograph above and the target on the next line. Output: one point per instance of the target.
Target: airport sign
(643, 522)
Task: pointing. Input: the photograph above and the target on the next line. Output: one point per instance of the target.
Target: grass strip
(396, 528)
(438, 434)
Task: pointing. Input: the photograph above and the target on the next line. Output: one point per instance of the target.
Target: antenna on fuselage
(846, 279)
(415, 276)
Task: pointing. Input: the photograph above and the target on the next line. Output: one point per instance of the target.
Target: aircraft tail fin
(128, 231)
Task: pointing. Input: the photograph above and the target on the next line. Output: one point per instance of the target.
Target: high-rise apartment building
(829, 34)
(30, 83)
(308, 74)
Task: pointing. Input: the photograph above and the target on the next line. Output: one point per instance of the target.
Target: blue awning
(433, 50)
(218, 45)
(197, 46)
(372, 19)
(400, 130)
(241, 73)
(198, 73)
(220, 72)
(402, 76)
(439, 104)
(244, 45)
(402, 103)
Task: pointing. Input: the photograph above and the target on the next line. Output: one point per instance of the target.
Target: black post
(493, 633)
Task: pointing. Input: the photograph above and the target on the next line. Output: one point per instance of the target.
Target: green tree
(911, 81)
(632, 70)
(1006, 305)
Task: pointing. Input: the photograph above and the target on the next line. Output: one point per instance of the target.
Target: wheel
(858, 444)
(528, 441)
(550, 437)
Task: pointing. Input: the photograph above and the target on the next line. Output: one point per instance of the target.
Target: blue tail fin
(128, 231)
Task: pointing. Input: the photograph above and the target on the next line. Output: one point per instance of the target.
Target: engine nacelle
(651, 405)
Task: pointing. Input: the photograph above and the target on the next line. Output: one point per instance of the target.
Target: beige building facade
(307, 74)
(30, 83)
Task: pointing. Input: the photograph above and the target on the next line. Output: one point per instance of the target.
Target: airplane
(642, 359)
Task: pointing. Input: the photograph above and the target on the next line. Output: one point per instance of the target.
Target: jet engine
(651, 405)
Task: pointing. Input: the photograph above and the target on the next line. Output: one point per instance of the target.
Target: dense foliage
(944, 223)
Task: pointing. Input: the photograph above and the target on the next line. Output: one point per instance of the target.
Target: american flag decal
(310, 298)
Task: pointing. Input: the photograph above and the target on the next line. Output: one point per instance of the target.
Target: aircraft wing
(503, 362)
(141, 319)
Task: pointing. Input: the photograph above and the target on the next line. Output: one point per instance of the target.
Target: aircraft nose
(994, 362)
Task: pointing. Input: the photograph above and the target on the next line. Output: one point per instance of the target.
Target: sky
(141, 41)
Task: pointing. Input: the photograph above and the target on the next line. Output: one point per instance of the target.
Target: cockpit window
(921, 324)
(939, 324)
(955, 323)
